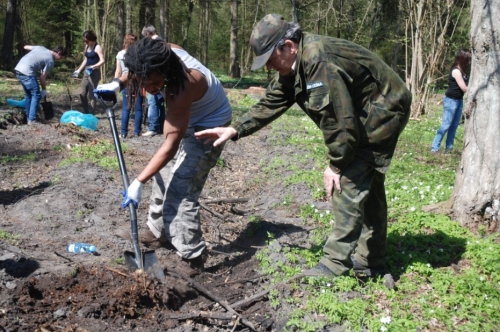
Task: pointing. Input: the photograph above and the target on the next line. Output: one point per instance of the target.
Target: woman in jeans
(120, 70)
(92, 61)
(453, 101)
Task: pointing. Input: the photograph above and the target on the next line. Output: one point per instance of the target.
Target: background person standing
(156, 103)
(39, 59)
(120, 70)
(453, 101)
(92, 61)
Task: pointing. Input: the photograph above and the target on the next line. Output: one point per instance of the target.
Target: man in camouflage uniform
(361, 106)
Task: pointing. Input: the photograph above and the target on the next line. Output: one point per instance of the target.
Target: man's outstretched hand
(219, 135)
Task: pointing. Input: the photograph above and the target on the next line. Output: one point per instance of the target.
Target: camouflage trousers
(360, 215)
(174, 206)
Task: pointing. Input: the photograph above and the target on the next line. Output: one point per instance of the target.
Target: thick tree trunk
(476, 195)
(8, 35)
(234, 67)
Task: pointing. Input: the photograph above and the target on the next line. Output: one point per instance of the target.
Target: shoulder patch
(314, 85)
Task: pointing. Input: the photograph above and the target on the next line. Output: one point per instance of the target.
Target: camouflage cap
(265, 35)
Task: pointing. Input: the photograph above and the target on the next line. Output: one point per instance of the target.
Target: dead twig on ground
(204, 314)
(265, 292)
(226, 200)
(218, 215)
(116, 271)
(222, 302)
(239, 280)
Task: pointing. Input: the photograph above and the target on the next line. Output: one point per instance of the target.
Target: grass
(447, 277)
(101, 152)
(9, 237)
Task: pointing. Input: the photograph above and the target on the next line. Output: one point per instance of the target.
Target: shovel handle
(133, 214)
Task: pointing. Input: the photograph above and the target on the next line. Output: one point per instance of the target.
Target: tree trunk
(8, 35)
(162, 20)
(234, 68)
(188, 24)
(476, 193)
(295, 10)
(149, 12)
(128, 10)
(206, 33)
(120, 24)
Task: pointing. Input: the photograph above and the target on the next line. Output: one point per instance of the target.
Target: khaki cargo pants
(174, 203)
(360, 215)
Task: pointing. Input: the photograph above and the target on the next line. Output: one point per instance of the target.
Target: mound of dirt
(47, 204)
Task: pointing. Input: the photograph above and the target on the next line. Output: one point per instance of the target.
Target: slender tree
(234, 66)
(476, 195)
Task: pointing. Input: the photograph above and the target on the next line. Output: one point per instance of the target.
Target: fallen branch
(203, 314)
(222, 302)
(265, 292)
(239, 280)
(116, 271)
(227, 200)
(218, 215)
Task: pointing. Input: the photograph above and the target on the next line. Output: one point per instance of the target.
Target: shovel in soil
(48, 111)
(147, 260)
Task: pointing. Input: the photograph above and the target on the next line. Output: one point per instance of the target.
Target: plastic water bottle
(79, 247)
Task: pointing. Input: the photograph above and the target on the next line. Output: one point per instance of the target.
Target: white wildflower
(383, 328)
(385, 319)
(412, 209)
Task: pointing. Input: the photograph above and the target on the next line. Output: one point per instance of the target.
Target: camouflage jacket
(359, 103)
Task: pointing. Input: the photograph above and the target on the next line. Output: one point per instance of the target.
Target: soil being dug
(47, 203)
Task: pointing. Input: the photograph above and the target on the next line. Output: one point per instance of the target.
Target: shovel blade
(152, 265)
(149, 261)
(48, 111)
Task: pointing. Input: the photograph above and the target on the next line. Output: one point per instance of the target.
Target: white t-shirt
(119, 57)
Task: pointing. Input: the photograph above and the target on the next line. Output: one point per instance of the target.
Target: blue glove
(88, 71)
(133, 194)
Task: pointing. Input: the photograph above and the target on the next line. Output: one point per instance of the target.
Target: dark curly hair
(148, 55)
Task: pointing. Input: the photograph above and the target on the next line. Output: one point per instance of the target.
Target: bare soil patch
(45, 288)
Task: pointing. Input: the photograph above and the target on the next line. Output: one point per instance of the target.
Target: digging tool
(48, 111)
(146, 261)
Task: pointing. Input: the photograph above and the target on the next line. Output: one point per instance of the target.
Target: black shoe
(320, 270)
(191, 267)
(361, 270)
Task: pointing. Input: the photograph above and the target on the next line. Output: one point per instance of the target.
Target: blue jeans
(451, 119)
(126, 114)
(156, 113)
(32, 92)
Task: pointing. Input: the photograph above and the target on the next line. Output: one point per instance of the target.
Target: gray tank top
(213, 109)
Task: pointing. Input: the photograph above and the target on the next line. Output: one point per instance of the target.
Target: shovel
(48, 111)
(146, 261)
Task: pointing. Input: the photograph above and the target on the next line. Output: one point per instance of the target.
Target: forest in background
(417, 38)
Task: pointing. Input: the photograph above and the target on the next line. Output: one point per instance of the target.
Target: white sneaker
(149, 133)
(33, 123)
